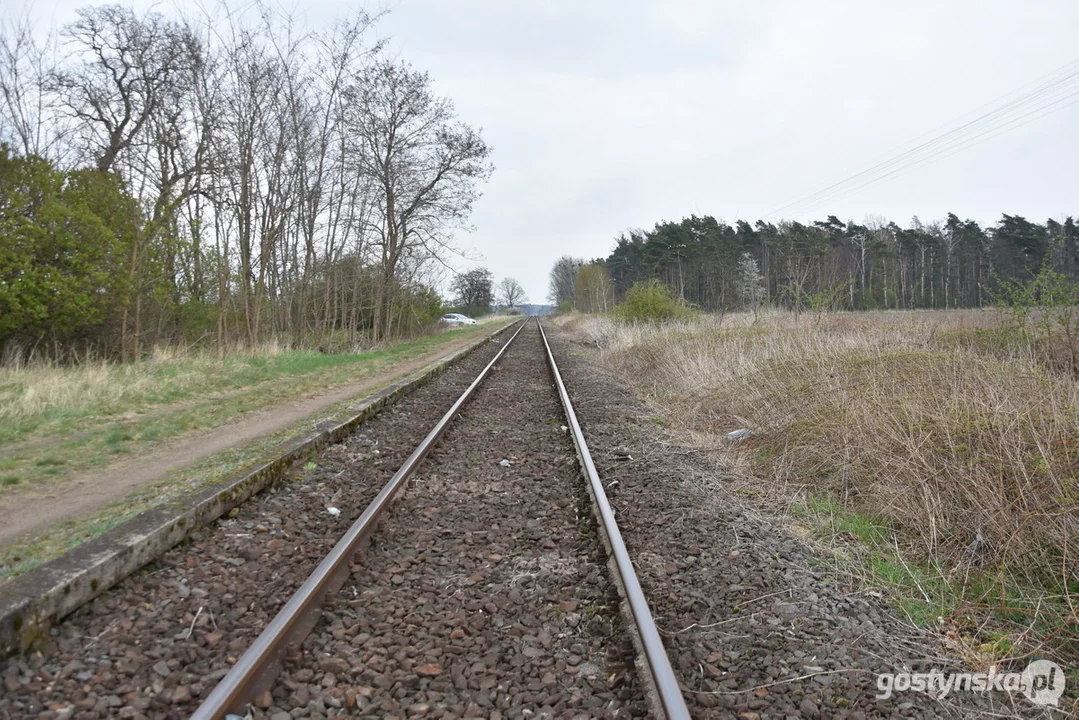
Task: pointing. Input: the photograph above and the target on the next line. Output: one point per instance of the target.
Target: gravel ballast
(486, 594)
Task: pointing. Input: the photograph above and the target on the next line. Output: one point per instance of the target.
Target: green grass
(985, 612)
(55, 422)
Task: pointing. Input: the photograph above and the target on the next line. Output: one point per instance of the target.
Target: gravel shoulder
(750, 618)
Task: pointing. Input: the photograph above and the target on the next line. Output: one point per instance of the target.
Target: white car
(456, 319)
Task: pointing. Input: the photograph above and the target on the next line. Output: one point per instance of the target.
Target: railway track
(494, 585)
(486, 578)
(279, 645)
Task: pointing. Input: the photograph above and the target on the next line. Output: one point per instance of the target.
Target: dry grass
(38, 392)
(56, 420)
(900, 424)
(42, 393)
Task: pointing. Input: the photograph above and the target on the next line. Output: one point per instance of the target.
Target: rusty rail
(259, 666)
(663, 680)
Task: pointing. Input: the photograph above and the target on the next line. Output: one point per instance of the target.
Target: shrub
(651, 301)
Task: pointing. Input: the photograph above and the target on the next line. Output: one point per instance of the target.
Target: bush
(651, 301)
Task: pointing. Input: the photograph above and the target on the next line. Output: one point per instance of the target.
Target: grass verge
(56, 421)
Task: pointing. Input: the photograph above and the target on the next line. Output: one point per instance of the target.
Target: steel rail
(260, 664)
(659, 665)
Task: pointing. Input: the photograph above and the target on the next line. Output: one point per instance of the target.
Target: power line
(999, 115)
(988, 134)
(1063, 69)
(1049, 91)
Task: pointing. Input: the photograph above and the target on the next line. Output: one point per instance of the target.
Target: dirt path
(27, 512)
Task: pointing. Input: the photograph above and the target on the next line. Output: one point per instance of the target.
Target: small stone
(588, 669)
(429, 670)
(264, 700)
(336, 665)
(162, 668)
(181, 694)
(808, 708)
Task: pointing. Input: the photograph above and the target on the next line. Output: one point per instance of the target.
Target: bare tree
(592, 290)
(126, 65)
(424, 165)
(283, 181)
(562, 280)
(24, 118)
(750, 282)
(510, 293)
(472, 291)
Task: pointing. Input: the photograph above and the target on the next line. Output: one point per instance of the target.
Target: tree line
(220, 180)
(827, 264)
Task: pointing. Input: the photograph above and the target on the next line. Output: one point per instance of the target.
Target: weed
(117, 436)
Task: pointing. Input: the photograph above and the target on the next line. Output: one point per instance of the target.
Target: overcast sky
(606, 115)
